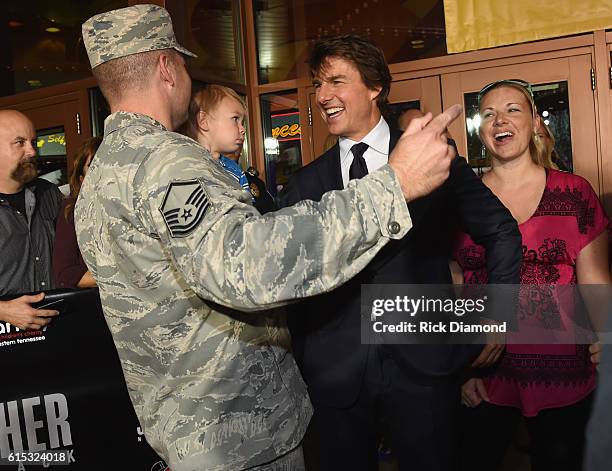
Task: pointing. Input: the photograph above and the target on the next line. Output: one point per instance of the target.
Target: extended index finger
(417, 124)
(440, 122)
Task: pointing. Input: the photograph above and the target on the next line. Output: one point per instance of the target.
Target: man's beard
(25, 172)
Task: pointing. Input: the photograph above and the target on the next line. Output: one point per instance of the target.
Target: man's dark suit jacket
(326, 329)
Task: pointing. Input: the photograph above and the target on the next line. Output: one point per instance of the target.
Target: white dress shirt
(377, 154)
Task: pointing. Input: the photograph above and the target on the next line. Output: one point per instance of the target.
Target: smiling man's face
(347, 105)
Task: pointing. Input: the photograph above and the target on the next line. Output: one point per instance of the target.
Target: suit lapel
(392, 249)
(329, 170)
(393, 138)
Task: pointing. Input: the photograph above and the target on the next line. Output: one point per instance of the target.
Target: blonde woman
(565, 242)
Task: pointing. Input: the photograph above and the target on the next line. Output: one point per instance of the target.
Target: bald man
(28, 208)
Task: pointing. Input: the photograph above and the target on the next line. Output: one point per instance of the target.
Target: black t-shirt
(16, 200)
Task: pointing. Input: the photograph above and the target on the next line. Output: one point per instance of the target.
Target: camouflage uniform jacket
(180, 258)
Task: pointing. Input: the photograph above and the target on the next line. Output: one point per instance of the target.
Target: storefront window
(42, 44)
(282, 138)
(51, 155)
(286, 30)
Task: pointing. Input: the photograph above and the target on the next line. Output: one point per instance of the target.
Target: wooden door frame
(425, 89)
(575, 69)
(483, 59)
(602, 50)
(76, 91)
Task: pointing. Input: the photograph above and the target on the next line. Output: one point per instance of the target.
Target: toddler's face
(227, 126)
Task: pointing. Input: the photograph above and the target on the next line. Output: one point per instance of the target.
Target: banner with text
(63, 399)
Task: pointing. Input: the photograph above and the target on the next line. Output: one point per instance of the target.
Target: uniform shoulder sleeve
(229, 254)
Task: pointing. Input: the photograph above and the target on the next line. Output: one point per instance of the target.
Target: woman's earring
(483, 161)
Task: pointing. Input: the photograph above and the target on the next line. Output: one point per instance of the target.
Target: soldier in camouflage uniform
(181, 257)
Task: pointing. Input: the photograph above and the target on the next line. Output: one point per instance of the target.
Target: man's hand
(422, 157)
(19, 313)
(473, 392)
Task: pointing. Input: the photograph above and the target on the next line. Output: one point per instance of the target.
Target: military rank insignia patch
(184, 206)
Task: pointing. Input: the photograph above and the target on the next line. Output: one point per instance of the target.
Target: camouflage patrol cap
(120, 33)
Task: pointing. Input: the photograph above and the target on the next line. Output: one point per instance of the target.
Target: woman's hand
(473, 392)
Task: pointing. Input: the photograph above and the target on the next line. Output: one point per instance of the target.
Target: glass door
(282, 137)
(565, 102)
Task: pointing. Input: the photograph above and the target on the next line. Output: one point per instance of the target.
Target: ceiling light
(52, 29)
(417, 41)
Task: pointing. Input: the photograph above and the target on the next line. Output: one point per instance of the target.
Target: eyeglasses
(518, 82)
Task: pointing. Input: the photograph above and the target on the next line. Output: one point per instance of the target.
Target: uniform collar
(121, 119)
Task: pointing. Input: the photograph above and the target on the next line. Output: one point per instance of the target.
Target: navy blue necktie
(358, 168)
